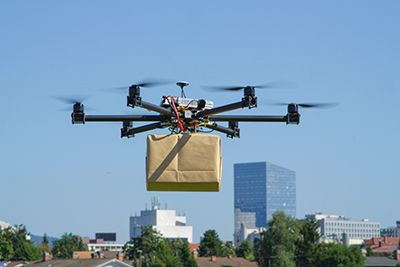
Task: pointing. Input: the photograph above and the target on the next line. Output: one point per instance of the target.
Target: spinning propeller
(147, 83)
(309, 105)
(282, 84)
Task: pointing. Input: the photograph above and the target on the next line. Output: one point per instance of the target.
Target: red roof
(193, 246)
(384, 240)
(383, 248)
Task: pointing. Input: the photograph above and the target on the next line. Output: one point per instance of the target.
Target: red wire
(176, 112)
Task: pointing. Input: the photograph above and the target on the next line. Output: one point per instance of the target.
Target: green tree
(369, 251)
(6, 249)
(277, 244)
(337, 255)
(245, 250)
(182, 250)
(65, 247)
(308, 246)
(210, 245)
(228, 249)
(22, 247)
(144, 245)
(165, 256)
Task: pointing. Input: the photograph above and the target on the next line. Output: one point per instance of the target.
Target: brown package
(183, 162)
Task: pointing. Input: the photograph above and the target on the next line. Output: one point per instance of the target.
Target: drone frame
(183, 121)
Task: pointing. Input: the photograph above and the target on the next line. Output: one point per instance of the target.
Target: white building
(334, 226)
(103, 247)
(245, 227)
(164, 221)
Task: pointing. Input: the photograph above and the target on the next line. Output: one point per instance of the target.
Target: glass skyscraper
(264, 188)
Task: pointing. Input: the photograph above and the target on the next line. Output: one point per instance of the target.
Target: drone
(185, 115)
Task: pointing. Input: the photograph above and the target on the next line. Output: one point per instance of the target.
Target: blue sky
(57, 177)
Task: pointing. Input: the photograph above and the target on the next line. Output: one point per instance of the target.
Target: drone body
(185, 115)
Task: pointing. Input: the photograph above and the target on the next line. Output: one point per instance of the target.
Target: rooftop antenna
(181, 85)
(155, 203)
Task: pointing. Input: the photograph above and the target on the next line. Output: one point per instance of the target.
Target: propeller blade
(318, 105)
(307, 105)
(70, 99)
(153, 82)
(282, 84)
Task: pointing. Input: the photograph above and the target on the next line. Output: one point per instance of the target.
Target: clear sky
(57, 177)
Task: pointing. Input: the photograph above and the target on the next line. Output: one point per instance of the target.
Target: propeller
(147, 83)
(309, 105)
(283, 84)
(72, 100)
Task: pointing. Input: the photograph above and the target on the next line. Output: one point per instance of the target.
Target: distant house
(224, 261)
(382, 244)
(85, 259)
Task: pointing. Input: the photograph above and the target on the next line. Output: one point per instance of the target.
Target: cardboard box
(183, 162)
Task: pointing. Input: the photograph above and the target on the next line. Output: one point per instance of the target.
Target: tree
(182, 250)
(144, 245)
(22, 247)
(245, 250)
(210, 245)
(228, 250)
(6, 249)
(44, 246)
(165, 256)
(277, 244)
(332, 255)
(308, 246)
(64, 248)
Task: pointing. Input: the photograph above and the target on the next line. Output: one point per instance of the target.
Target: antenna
(181, 85)
(155, 203)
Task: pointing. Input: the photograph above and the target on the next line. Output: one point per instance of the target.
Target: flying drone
(182, 114)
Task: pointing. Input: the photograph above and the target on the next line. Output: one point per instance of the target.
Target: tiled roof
(83, 254)
(383, 248)
(222, 261)
(386, 240)
(79, 263)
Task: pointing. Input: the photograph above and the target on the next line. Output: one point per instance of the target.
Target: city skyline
(58, 177)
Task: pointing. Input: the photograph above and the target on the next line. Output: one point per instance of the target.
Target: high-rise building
(263, 188)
